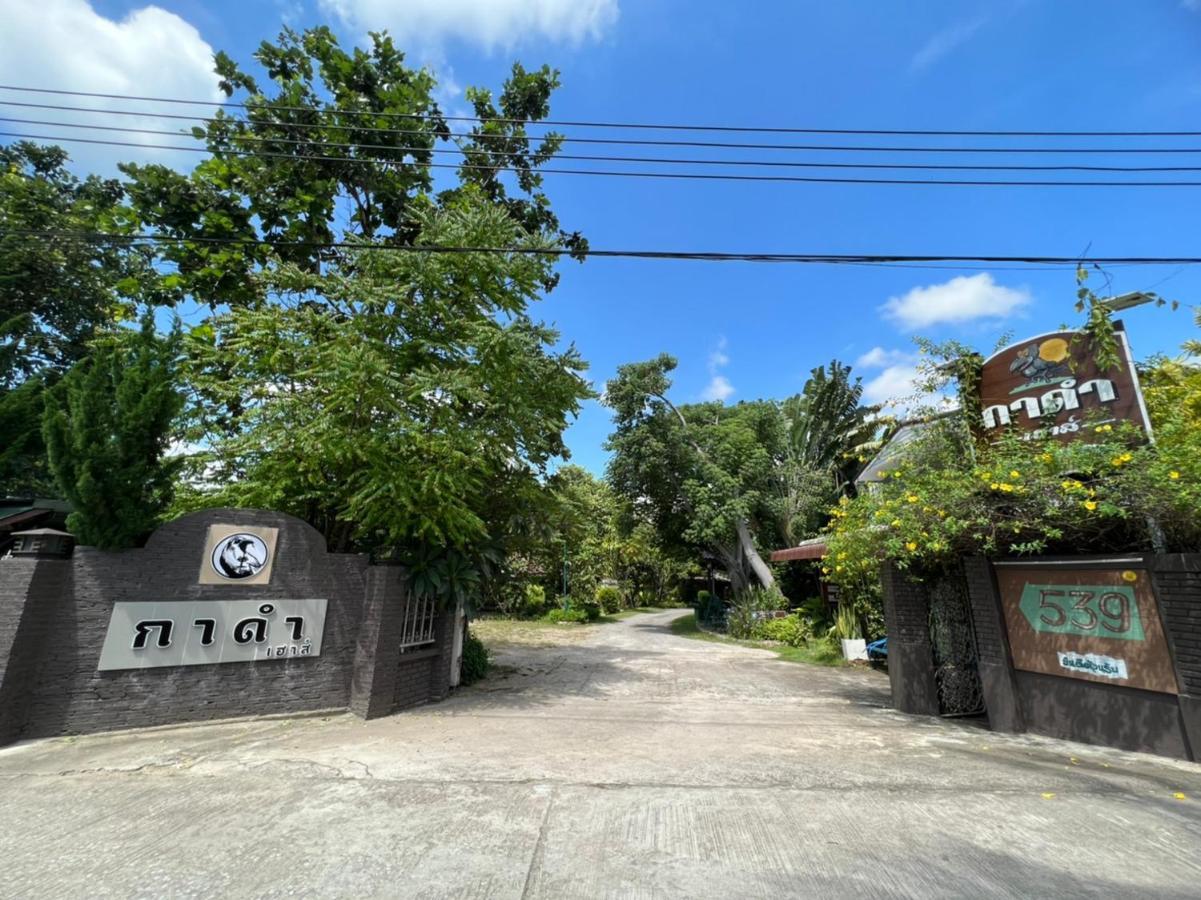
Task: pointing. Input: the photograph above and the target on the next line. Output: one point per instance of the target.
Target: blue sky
(743, 331)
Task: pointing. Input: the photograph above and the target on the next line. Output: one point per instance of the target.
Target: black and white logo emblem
(239, 556)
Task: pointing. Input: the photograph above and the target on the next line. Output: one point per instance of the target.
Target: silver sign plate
(203, 632)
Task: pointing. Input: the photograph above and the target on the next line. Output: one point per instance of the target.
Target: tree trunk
(758, 566)
(732, 559)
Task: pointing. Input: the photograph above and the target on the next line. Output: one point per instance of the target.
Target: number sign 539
(1105, 611)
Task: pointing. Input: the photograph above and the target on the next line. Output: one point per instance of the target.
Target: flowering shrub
(952, 496)
(791, 630)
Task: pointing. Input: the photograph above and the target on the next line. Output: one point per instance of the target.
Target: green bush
(608, 598)
(816, 611)
(535, 600)
(742, 619)
(560, 615)
(791, 630)
(702, 599)
(591, 610)
(475, 660)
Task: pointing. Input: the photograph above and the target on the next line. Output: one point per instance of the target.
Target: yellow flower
(896, 523)
(1015, 474)
(994, 485)
(1090, 505)
(842, 556)
(911, 546)
(1047, 458)
(912, 498)
(1007, 488)
(1070, 485)
(1174, 475)
(896, 474)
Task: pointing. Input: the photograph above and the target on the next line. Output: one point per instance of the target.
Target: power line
(573, 139)
(674, 161)
(622, 125)
(710, 256)
(691, 176)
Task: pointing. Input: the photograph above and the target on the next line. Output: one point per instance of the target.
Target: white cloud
(943, 42)
(961, 299)
(487, 23)
(719, 387)
(718, 358)
(878, 357)
(896, 384)
(66, 44)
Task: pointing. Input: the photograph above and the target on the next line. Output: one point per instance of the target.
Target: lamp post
(565, 590)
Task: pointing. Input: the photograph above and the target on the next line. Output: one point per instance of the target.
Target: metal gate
(953, 642)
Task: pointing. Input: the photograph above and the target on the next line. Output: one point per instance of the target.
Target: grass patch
(819, 653)
(527, 632)
(630, 613)
(541, 633)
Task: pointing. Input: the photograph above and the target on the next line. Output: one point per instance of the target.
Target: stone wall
(54, 615)
(1072, 708)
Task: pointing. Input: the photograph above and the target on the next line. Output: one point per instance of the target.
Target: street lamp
(1127, 301)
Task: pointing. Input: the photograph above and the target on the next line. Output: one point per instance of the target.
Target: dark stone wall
(1177, 580)
(424, 675)
(992, 648)
(910, 660)
(1104, 714)
(1092, 712)
(54, 615)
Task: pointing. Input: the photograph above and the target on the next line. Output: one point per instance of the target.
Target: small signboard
(238, 554)
(1097, 624)
(205, 632)
(1051, 386)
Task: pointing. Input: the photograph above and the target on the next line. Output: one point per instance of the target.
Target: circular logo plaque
(239, 556)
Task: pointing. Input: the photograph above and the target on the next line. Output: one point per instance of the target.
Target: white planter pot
(856, 649)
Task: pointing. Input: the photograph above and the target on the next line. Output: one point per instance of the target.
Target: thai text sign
(1097, 624)
(1051, 386)
(203, 632)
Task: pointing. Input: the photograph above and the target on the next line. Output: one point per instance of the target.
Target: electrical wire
(709, 256)
(615, 125)
(573, 139)
(692, 176)
(770, 163)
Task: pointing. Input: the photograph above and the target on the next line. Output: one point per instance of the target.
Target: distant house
(24, 513)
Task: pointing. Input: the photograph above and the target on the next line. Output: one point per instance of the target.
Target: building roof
(814, 548)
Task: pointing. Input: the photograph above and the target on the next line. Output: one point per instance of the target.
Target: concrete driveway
(631, 763)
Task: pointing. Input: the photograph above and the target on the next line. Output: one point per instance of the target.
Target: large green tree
(391, 411)
(704, 474)
(830, 433)
(107, 425)
(403, 401)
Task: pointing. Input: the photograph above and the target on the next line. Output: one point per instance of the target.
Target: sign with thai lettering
(1096, 623)
(205, 632)
(1051, 386)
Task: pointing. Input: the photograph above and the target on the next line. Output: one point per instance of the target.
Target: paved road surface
(633, 763)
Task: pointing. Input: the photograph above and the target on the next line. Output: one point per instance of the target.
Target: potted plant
(846, 626)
